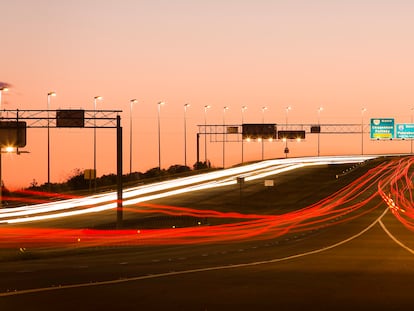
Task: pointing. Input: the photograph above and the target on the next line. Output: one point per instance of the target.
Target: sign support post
(119, 209)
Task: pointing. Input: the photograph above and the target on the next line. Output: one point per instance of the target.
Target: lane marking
(395, 239)
(175, 273)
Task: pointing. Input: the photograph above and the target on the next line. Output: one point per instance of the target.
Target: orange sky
(342, 55)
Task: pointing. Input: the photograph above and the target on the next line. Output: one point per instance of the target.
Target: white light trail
(131, 196)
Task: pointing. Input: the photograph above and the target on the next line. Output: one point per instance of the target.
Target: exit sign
(382, 128)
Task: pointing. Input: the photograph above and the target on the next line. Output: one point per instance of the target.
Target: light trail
(390, 181)
(132, 196)
(397, 193)
(351, 201)
(191, 271)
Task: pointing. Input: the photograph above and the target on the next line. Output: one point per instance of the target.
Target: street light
(319, 125)
(95, 99)
(185, 133)
(159, 135)
(131, 103)
(263, 119)
(243, 108)
(362, 129)
(287, 109)
(2, 89)
(263, 111)
(205, 132)
(49, 95)
(224, 131)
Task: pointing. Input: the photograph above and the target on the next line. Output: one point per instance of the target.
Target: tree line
(76, 182)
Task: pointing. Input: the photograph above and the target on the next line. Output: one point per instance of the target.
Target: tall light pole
(362, 129)
(159, 135)
(262, 138)
(319, 125)
(95, 99)
(224, 131)
(206, 107)
(49, 95)
(287, 109)
(131, 103)
(185, 133)
(243, 108)
(2, 89)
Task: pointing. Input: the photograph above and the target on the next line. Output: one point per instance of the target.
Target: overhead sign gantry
(13, 124)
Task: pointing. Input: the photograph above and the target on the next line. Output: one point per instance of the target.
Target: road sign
(70, 118)
(291, 135)
(12, 133)
(89, 174)
(232, 129)
(240, 180)
(260, 130)
(315, 129)
(382, 128)
(405, 131)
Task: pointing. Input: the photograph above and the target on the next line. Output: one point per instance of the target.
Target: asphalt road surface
(361, 258)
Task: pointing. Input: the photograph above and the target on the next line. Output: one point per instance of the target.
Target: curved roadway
(350, 248)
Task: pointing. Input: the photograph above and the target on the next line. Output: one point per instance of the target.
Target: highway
(107, 201)
(324, 237)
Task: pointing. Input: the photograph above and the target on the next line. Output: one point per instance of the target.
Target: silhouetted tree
(201, 165)
(34, 184)
(107, 180)
(4, 190)
(175, 169)
(77, 181)
(153, 172)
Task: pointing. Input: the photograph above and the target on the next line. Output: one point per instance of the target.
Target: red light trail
(393, 181)
(352, 201)
(398, 192)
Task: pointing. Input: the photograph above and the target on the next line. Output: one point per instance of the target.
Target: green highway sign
(405, 131)
(382, 128)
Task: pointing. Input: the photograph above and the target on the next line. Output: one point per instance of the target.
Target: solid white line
(395, 239)
(173, 273)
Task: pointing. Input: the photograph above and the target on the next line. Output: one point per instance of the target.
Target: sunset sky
(339, 55)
